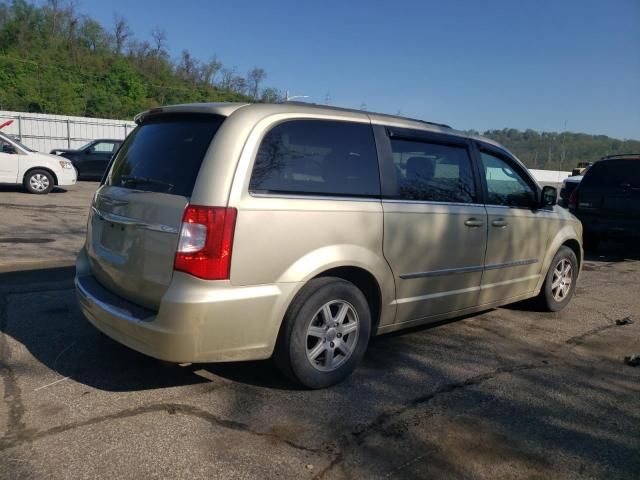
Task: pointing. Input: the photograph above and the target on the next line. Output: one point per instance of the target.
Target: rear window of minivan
(317, 157)
(164, 154)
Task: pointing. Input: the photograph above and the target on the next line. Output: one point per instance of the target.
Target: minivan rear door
(135, 221)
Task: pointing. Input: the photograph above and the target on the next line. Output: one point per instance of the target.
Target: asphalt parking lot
(510, 393)
(42, 230)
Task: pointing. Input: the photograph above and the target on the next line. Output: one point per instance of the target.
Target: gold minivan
(225, 232)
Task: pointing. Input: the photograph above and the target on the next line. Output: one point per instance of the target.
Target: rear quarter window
(317, 157)
(164, 154)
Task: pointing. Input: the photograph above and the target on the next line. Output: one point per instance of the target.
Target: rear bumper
(615, 227)
(198, 321)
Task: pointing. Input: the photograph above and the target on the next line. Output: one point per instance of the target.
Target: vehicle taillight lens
(206, 239)
(573, 199)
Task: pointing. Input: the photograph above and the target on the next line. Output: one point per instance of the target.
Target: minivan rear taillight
(573, 200)
(206, 239)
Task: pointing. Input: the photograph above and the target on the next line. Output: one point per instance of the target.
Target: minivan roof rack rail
(341, 109)
(621, 155)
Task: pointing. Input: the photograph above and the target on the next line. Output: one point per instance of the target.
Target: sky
(547, 65)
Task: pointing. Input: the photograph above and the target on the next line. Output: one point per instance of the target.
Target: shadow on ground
(614, 251)
(20, 188)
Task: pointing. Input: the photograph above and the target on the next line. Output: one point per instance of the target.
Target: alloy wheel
(561, 281)
(332, 335)
(39, 182)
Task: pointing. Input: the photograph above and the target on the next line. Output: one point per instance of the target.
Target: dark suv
(91, 160)
(607, 200)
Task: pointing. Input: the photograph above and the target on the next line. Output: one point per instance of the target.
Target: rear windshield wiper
(133, 180)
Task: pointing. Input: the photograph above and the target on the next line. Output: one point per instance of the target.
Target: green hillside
(55, 60)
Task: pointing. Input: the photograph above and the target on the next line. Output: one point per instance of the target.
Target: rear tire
(38, 181)
(324, 333)
(560, 282)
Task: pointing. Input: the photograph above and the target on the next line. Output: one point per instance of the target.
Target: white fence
(549, 176)
(44, 132)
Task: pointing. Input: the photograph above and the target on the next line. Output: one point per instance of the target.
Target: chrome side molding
(474, 268)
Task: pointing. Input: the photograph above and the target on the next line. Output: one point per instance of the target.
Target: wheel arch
(368, 285)
(46, 169)
(574, 245)
(566, 236)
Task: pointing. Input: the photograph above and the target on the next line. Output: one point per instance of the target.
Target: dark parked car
(91, 160)
(607, 200)
(569, 184)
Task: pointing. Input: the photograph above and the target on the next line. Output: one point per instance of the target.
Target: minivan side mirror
(549, 196)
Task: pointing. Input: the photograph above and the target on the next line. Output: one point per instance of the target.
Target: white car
(38, 172)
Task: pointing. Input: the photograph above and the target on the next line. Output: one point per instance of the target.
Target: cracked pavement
(510, 393)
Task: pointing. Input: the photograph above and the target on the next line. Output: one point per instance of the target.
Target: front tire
(38, 181)
(560, 282)
(324, 334)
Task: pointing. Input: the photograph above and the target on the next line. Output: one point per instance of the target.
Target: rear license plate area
(112, 237)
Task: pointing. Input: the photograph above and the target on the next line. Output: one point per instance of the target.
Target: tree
(92, 35)
(188, 68)
(159, 44)
(239, 85)
(121, 32)
(254, 79)
(227, 75)
(209, 70)
(271, 95)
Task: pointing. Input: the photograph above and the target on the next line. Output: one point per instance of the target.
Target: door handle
(501, 223)
(473, 222)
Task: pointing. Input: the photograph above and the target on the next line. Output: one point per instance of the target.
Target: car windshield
(16, 142)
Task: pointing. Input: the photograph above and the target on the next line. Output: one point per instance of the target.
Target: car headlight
(66, 164)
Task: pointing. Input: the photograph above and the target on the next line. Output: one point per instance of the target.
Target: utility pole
(563, 152)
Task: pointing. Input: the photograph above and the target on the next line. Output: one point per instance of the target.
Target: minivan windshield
(164, 154)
